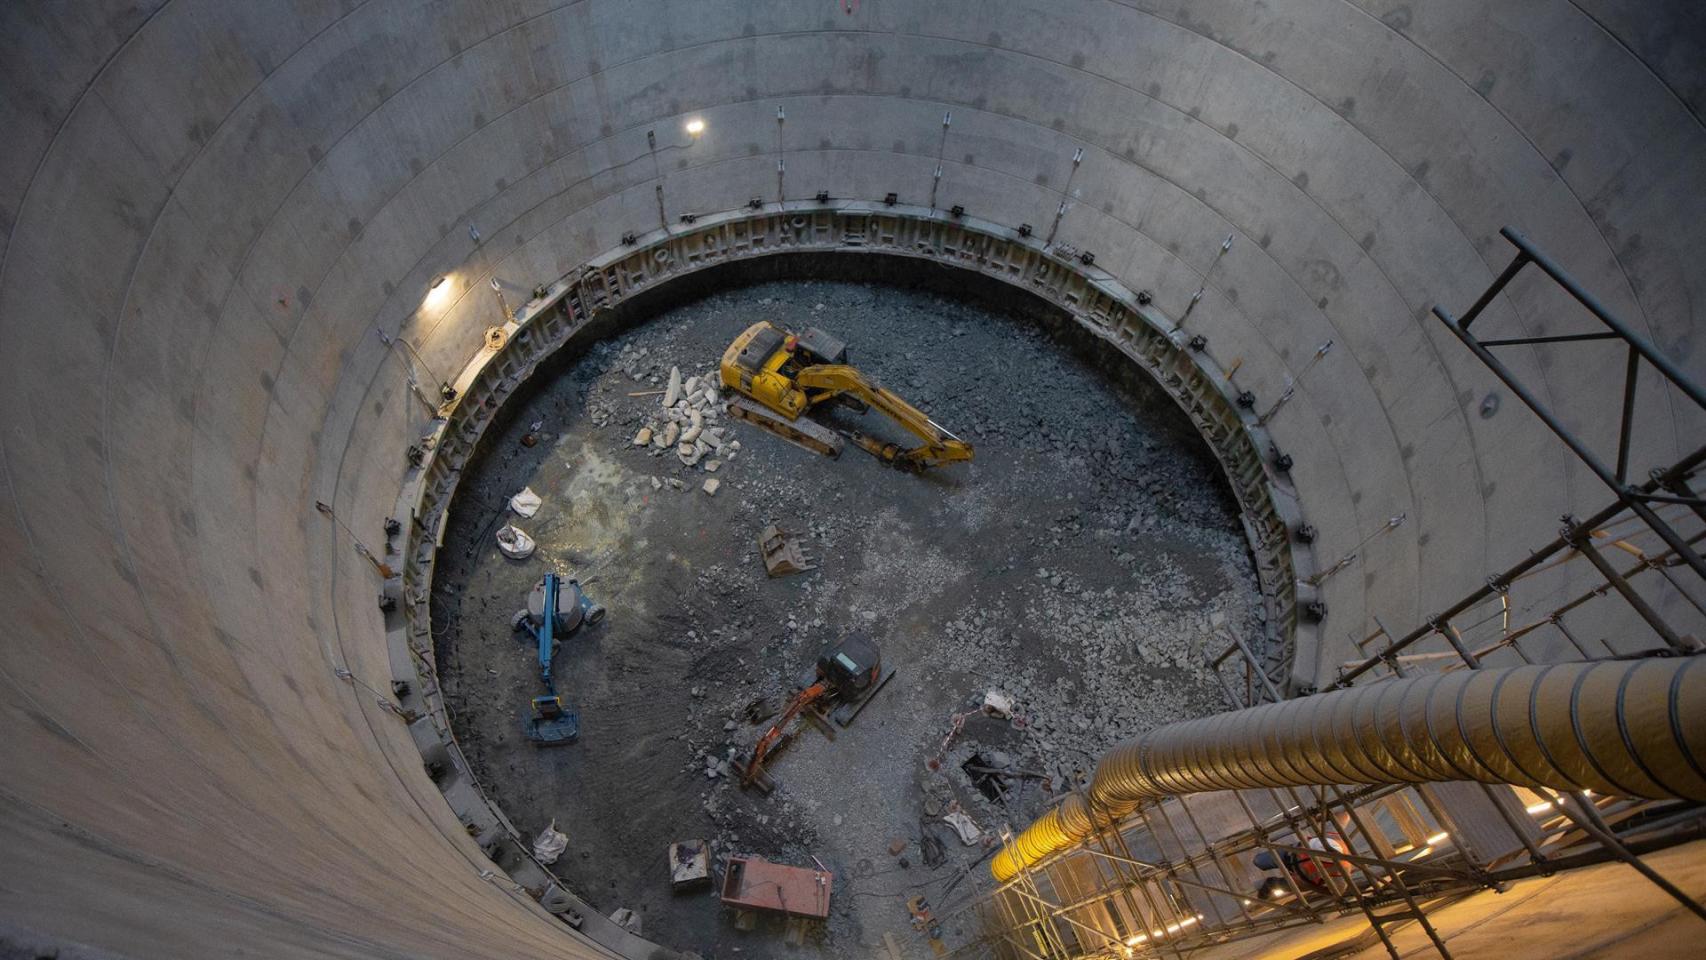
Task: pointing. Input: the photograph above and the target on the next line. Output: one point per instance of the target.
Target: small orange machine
(751, 884)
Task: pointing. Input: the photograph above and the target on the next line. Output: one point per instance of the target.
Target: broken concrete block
(688, 454)
(712, 465)
(657, 484)
(710, 486)
(672, 393)
(644, 437)
(671, 433)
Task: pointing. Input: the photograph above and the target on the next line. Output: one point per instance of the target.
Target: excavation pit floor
(1085, 564)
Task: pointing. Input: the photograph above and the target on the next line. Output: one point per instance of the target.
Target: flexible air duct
(1625, 728)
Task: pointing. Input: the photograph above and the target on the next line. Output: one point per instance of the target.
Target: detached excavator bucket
(782, 556)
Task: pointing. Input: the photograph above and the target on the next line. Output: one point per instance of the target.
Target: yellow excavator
(775, 377)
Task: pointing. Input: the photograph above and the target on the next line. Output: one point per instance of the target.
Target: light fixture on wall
(695, 127)
(437, 291)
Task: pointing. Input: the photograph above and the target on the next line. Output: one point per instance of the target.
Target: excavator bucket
(759, 779)
(782, 556)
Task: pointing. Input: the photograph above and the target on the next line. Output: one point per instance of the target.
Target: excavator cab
(815, 346)
(763, 362)
(850, 667)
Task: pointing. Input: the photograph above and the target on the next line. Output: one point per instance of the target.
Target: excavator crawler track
(801, 432)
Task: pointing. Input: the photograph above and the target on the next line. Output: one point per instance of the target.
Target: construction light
(1438, 839)
(437, 291)
(1538, 808)
(695, 127)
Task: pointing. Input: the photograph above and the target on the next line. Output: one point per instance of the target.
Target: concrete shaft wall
(209, 207)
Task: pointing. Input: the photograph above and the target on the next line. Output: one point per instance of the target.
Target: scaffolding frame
(1125, 905)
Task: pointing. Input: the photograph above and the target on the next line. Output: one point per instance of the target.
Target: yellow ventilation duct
(1626, 728)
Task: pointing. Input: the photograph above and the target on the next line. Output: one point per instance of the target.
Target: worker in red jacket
(1309, 870)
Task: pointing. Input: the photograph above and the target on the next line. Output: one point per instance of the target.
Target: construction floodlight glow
(1437, 839)
(1538, 808)
(437, 291)
(695, 127)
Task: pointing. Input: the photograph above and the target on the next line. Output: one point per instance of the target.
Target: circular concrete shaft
(209, 209)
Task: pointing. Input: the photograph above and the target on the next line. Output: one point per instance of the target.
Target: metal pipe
(1625, 431)
(1575, 443)
(1625, 728)
(1671, 371)
(1584, 544)
(1509, 273)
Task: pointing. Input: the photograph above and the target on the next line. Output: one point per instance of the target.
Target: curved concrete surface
(209, 207)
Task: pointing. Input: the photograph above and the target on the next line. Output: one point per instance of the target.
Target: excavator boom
(825, 381)
(808, 696)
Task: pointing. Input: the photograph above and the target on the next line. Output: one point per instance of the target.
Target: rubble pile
(689, 426)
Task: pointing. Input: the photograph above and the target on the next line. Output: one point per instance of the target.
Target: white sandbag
(515, 544)
(550, 845)
(526, 503)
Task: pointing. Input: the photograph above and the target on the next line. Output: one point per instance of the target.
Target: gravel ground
(1082, 564)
